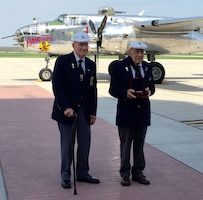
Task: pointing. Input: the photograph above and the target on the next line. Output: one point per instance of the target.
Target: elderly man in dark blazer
(74, 87)
(132, 84)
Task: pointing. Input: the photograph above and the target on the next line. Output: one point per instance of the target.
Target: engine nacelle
(149, 23)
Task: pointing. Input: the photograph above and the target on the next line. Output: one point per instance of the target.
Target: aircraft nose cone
(17, 34)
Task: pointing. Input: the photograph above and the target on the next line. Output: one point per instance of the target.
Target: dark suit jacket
(69, 91)
(130, 112)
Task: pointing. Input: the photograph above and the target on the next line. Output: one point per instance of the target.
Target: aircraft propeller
(99, 31)
(106, 12)
(99, 34)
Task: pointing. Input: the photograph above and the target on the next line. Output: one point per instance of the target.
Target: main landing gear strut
(158, 70)
(46, 74)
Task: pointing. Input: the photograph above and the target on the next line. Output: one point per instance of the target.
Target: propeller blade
(92, 26)
(99, 34)
(103, 24)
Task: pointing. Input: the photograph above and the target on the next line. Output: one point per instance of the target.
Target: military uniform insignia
(73, 66)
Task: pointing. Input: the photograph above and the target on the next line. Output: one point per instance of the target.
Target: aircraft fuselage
(54, 37)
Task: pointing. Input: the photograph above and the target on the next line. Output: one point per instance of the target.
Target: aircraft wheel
(45, 74)
(158, 72)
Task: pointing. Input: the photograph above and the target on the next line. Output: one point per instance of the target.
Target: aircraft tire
(45, 74)
(158, 72)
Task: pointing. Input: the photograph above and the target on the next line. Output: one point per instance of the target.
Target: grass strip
(43, 55)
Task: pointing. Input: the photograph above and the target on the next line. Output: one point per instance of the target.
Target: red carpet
(30, 157)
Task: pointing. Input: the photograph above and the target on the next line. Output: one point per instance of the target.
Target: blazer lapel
(128, 71)
(73, 62)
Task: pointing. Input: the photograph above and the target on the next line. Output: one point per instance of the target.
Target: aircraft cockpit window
(75, 20)
(63, 18)
(25, 30)
(72, 20)
(34, 30)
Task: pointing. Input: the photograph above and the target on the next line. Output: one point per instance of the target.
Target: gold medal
(81, 77)
(91, 80)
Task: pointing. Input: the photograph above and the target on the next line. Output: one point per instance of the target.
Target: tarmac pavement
(174, 142)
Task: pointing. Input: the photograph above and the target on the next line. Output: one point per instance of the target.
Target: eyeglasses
(137, 51)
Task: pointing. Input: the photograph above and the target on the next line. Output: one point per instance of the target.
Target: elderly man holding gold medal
(132, 84)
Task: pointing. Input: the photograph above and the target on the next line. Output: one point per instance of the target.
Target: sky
(15, 14)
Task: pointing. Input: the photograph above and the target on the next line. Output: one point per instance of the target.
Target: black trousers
(83, 135)
(129, 136)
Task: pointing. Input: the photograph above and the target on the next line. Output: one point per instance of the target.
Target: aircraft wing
(171, 25)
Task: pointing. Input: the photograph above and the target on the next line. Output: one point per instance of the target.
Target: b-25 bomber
(110, 33)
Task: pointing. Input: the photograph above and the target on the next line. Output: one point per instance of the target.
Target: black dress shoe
(141, 179)
(89, 179)
(125, 181)
(66, 184)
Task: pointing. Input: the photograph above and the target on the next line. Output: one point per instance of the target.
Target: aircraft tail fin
(141, 13)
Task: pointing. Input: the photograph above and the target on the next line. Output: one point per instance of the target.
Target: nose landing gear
(46, 74)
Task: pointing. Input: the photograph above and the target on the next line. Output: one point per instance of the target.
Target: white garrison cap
(138, 45)
(80, 37)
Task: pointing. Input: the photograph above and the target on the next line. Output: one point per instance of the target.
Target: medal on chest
(81, 77)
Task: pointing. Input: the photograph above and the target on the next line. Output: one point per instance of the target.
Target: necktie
(80, 67)
(137, 71)
(81, 71)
